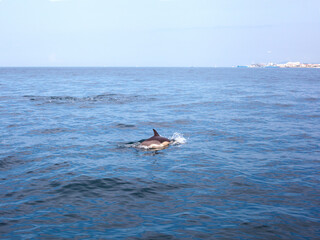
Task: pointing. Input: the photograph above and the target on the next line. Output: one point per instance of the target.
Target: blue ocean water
(247, 166)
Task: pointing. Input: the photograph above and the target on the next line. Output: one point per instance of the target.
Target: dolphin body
(155, 142)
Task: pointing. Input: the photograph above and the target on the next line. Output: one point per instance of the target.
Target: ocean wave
(91, 187)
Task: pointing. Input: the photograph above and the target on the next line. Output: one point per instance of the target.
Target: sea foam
(178, 138)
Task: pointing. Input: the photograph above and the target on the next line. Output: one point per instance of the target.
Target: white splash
(177, 138)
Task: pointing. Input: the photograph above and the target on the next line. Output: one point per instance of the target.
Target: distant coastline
(283, 65)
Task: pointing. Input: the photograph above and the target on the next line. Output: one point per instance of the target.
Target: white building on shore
(285, 65)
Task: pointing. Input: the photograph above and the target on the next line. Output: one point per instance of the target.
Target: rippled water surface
(247, 168)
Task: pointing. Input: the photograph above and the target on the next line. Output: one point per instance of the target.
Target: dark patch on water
(311, 99)
(12, 126)
(121, 125)
(160, 124)
(110, 98)
(303, 136)
(14, 160)
(138, 188)
(283, 105)
(5, 162)
(51, 131)
(189, 106)
(213, 133)
(236, 139)
(153, 235)
(298, 116)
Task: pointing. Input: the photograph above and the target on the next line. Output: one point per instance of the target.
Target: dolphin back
(155, 133)
(155, 139)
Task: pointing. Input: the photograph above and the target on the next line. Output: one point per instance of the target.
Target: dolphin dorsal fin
(155, 133)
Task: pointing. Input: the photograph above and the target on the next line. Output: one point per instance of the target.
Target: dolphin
(155, 142)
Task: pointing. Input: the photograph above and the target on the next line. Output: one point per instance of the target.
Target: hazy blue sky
(158, 32)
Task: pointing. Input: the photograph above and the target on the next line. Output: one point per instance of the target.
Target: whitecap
(177, 139)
